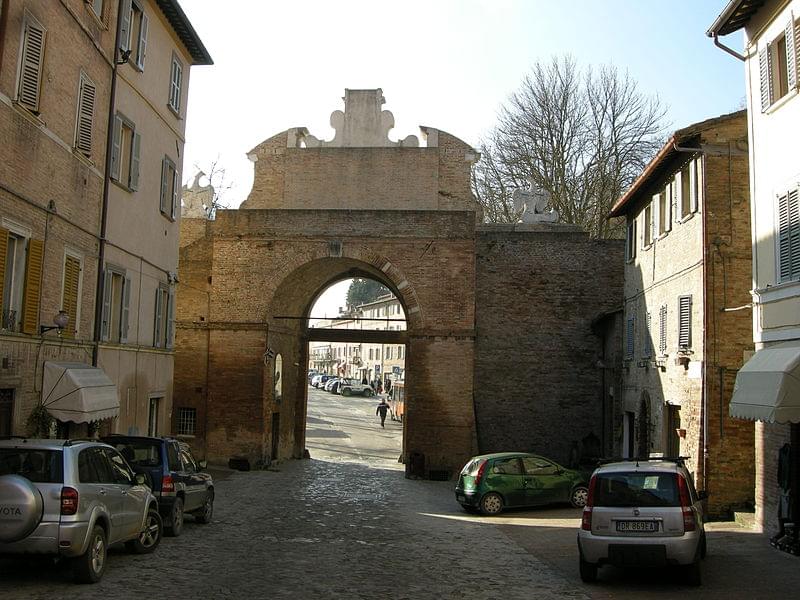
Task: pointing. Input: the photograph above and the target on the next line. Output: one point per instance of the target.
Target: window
(507, 466)
(97, 7)
(85, 116)
(684, 322)
(663, 212)
(777, 62)
(125, 153)
(647, 225)
(133, 32)
(378, 354)
(152, 417)
(6, 412)
(187, 421)
(647, 349)
(21, 261)
(630, 240)
(116, 306)
(169, 187)
(400, 352)
(789, 236)
(538, 466)
(119, 469)
(662, 330)
(175, 83)
(71, 292)
(163, 327)
(29, 82)
(629, 329)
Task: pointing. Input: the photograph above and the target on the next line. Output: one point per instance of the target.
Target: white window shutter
(655, 210)
(648, 339)
(83, 128)
(135, 150)
(684, 322)
(170, 320)
(662, 330)
(159, 316)
(674, 186)
(791, 56)
(141, 51)
(30, 76)
(116, 150)
(694, 199)
(126, 311)
(106, 318)
(175, 190)
(162, 204)
(765, 71)
(125, 25)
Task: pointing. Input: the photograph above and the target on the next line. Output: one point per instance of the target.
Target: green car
(492, 482)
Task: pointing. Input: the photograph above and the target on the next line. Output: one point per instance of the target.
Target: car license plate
(636, 526)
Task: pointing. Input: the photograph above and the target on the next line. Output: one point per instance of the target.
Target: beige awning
(768, 386)
(78, 392)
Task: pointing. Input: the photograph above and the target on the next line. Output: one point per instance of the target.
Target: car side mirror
(139, 479)
(203, 464)
(702, 495)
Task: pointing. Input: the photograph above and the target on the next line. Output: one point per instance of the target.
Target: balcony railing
(10, 321)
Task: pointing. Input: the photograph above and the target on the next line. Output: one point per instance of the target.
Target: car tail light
(479, 474)
(69, 501)
(586, 519)
(689, 521)
(167, 484)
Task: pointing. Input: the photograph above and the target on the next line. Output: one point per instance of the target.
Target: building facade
(76, 190)
(766, 387)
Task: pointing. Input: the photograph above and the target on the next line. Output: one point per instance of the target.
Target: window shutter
(125, 25)
(69, 304)
(126, 311)
(135, 149)
(175, 190)
(629, 338)
(3, 253)
(164, 184)
(170, 342)
(175, 85)
(33, 286)
(679, 191)
(655, 210)
(648, 340)
(685, 322)
(670, 200)
(116, 150)
(764, 64)
(791, 57)
(788, 236)
(106, 320)
(694, 200)
(142, 49)
(662, 330)
(159, 312)
(30, 76)
(83, 128)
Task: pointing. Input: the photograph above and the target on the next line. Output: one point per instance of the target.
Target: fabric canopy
(768, 386)
(78, 392)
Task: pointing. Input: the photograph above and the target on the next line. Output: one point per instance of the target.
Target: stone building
(67, 205)
(400, 213)
(686, 314)
(767, 389)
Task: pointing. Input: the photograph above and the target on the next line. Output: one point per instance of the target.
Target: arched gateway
(502, 321)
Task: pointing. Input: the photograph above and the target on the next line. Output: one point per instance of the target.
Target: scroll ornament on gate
(533, 204)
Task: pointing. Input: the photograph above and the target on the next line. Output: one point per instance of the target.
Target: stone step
(745, 519)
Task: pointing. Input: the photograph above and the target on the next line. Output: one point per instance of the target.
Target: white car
(642, 513)
(351, 387)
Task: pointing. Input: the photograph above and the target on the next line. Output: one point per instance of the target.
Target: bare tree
(216, 176)
(584, 136)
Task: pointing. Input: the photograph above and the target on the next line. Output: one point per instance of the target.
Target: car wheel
(175, 519)
(588, 571)
(692, 574)
(90, 566)
(579, 496)
(368, 392)
(492, 503)
(150, 536)
(204, 514)
(346, 392)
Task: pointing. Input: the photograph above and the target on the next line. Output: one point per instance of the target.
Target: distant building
(686, 323)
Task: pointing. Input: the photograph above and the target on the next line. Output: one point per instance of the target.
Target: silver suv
(73, 499)
(642, 513)
(348, 387)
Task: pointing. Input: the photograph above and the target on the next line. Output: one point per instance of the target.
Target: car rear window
(139, 453)
(636, 489)
(39, 466)
(472, 467)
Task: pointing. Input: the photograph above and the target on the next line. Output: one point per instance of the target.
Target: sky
(448, 64)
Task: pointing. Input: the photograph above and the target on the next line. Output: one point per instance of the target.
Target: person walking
(382, 409)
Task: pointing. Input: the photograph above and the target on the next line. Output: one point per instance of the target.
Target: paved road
(346, 524)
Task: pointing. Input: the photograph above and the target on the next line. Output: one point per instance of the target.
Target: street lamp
(60, 322)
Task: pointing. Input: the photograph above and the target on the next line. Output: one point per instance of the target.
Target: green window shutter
(116, 148)
(126, 311)
(72, 274)
(789, 236)
(105, 325)
(135, 162)
(142, 49)
(83, 127)
(30, 76)
(33, 286)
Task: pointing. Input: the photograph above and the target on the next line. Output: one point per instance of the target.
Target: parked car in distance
(319, 380)
(492, 482)
(334, 386)
(330, 383)
(73, 499)
(178, 480)
(353, 387)
(643, 513)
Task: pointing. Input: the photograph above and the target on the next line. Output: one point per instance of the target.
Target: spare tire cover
(21, 508)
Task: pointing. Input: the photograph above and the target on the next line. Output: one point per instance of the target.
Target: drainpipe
(112, 101)
(725, 48)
